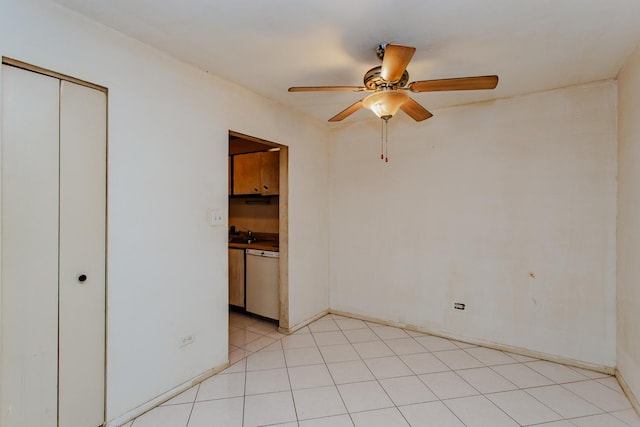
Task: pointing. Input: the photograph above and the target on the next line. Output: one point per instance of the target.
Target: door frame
(36, 69)
(283, 223)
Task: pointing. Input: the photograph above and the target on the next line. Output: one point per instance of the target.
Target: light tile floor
(345, 372)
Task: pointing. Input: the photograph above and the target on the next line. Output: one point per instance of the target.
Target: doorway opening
(258, 230)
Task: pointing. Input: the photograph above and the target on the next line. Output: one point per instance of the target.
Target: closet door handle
(82, 277)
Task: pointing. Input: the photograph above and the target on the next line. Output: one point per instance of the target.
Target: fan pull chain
(386, 141)
(382, 140)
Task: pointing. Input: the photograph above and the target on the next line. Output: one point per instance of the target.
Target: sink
(245, 241)
(238, 240)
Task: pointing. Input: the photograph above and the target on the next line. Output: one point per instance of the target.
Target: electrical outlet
(186, 340)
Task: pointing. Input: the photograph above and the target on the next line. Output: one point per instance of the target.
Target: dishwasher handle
(258, 252)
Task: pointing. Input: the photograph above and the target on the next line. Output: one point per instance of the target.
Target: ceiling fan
(388, 84)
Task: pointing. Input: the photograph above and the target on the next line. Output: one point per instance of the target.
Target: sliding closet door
(83, 113)
(29, 249)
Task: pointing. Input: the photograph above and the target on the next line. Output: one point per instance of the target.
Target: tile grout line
(372, 328)
(244, 391)
(553, 383)
(330, 375)
(293, 399)
(455, 371)
(516, 362)
(377, 380)
(544, 404)
(410, 370)
(580, 397)
(383, 341)
(524, 389)
(193, 405)
(606, 385)
(422, 381)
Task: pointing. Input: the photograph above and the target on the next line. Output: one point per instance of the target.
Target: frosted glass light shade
(385, 103)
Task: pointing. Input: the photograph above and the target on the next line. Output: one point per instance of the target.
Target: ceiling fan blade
(346, 112)
(416, 111)
(395, 61)
(461, 83)
(327, 89)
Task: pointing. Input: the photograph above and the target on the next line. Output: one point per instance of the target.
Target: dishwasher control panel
(258, 252)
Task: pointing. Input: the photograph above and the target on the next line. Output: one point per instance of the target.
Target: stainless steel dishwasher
(262, 294)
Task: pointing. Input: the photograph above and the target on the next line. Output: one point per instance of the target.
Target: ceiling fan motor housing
(373, 79)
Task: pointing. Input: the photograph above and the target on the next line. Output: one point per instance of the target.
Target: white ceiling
(269, 45)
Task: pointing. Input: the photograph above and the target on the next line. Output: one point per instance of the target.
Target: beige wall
(628, 346)
(473, 204)
(168, 153)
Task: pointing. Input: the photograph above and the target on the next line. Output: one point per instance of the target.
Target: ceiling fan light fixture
(388, 82)
(385, 103)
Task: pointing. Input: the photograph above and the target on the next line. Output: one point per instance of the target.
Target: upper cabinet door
(256, 173)
(246, 174)
(270, 173)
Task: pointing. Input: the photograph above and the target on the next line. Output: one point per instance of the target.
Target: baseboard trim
(158, 400)
(517, 350)
(627, 390)
(147, 406)
(304, 323)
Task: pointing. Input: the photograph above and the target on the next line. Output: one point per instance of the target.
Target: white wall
(472, 202)
(168, 127)
(628, 347)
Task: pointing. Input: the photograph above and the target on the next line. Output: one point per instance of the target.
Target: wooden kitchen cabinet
(246, 173)
(236, 277)
(270, 173)
(256, 173)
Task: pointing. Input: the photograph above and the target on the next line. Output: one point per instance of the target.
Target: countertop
(262, 246)
(266, 241)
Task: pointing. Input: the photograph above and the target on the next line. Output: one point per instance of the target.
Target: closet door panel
(29, 287)
(82, 255)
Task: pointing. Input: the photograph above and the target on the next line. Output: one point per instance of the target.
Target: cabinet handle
(265, 187)
(256, 190)
(82, 277)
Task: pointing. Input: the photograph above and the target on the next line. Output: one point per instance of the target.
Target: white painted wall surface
(168, 127)
(473, 201)
(629, 223)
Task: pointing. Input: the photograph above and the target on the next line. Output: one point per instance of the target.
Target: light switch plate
(215, 217)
